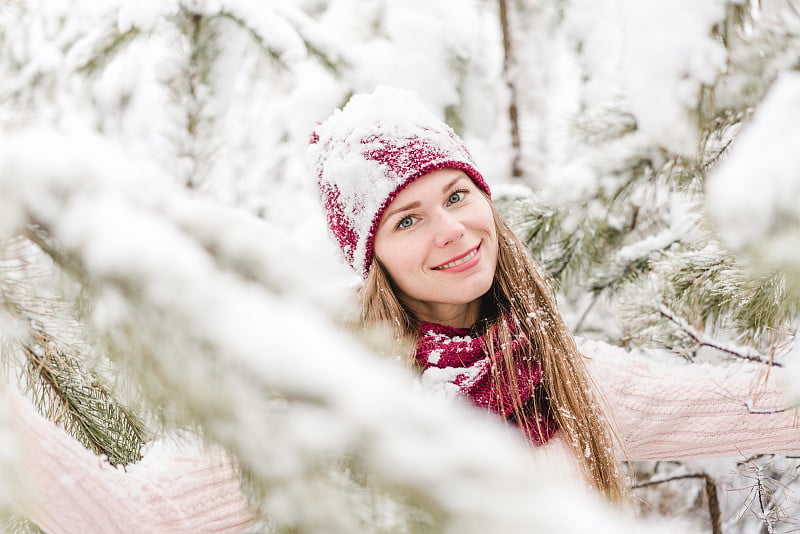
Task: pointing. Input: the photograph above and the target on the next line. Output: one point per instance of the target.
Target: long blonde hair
(521, 299)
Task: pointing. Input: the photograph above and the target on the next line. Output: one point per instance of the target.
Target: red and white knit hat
(367, 152)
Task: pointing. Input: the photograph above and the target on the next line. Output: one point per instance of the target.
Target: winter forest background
(164, 263)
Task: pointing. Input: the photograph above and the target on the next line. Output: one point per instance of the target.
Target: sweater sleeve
(67, 488)
(666, 411)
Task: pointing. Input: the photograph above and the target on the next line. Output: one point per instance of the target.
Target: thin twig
(754, 411)
(705, 341)
(764, 510)
(715, 514)
(768, 509)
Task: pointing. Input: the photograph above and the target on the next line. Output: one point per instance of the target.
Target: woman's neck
(462, 316)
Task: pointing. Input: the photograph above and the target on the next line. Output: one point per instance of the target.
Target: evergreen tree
(650, 126)
(620, 118)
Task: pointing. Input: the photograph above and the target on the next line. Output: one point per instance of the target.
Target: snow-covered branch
(703, 340)
(752, 194)
(262, 369)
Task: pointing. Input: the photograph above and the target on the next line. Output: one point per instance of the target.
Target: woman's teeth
(458, 261)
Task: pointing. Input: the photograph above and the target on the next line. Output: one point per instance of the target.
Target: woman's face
(438, 243)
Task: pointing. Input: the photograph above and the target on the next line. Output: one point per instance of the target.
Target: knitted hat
(367, 152)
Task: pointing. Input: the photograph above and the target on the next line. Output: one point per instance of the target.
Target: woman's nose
(447, 229)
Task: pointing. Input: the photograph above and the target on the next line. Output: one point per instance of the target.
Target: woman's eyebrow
(416, 204)
(409, 206)
(454, 182)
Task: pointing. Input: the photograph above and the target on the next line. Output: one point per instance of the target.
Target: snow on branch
(257, 363)
(272, 32)
(664, 70)
(705, 341)
(285, 32)
(752, 195)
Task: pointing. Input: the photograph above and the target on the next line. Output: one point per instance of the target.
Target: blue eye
(456, 197)
(405, 222)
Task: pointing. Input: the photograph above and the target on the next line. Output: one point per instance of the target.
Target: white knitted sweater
(659, 411)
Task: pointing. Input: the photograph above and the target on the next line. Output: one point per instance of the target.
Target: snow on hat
(369, 151)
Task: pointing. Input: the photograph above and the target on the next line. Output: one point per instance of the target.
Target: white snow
(236, 283)
(144, 15)
(668, 54)
(753, 194)
(275, 31)
(361, 405)
(433, 357)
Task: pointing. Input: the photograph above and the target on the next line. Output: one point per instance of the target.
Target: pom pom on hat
(367, 152)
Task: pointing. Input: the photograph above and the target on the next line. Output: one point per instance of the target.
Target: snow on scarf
(454, 362)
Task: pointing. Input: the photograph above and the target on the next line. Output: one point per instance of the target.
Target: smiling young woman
(413, 215)
(438, 244)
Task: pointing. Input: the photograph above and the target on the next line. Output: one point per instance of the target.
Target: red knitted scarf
(460, 362)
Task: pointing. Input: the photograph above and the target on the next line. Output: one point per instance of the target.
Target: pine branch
(329, 56)
(53, 360)
(705, 341)
(703, 282)
(301, 25)
(106, 49)
(766, 511)
(571, 255)
(759, 48)
(76, 400)
(540, 228)
(268, 51)
(192, 92)
(630, 263)
(604, 126)
(36, 235)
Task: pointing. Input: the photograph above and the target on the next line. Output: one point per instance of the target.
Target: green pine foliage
(641, 241)
(56, 364)
(636, 260)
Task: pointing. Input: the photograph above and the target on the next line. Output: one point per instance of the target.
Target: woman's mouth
(460, 261)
